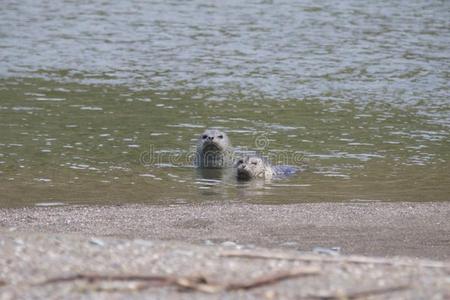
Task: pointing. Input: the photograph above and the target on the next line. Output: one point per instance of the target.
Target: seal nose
(210, 138)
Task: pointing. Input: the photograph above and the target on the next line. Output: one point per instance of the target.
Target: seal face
(253, 167)
(257, 167)
(213, 150)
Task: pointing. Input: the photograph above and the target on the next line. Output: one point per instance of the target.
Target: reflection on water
(103, 102)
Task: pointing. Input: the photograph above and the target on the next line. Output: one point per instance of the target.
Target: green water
(73, 143)
(102, 102)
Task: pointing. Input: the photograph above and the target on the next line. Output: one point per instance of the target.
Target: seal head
(213, 149)
(258, 167)
(253, 167)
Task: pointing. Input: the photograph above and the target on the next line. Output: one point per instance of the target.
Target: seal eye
(254, 163)
(204, 136)
(241, 161)
(220, 136)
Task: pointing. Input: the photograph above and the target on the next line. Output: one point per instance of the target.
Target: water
(101, 102)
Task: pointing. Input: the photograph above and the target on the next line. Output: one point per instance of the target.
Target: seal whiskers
(214, 150)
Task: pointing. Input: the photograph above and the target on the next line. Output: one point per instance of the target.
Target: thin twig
(147, 281)
(315, 258)
(274, 278)
(361, 294)
(97, 277)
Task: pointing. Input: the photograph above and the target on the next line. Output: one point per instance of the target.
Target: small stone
(333, 251)
(229, 244)
(209, 243)
(97, 242)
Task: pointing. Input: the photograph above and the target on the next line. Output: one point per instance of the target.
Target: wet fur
(214, 150)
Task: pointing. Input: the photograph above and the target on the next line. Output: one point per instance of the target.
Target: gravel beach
(226, 251)
(374, 229)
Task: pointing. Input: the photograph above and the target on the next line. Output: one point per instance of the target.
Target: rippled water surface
(102, 101)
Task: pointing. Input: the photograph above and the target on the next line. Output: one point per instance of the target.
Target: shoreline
(374, 229)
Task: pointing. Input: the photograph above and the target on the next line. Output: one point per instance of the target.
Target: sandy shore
(374, 229)
(190, 248)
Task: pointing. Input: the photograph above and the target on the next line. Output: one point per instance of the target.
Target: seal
(214, 150)
(258, 167)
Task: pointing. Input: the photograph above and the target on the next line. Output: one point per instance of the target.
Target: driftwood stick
(98, 277)
(315, 258)
(361, 294)
(273, 278)
(146, 281)
(196, 283)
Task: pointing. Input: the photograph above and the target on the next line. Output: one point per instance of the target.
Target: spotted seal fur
(258, 167)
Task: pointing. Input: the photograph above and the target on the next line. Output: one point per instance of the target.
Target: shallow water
(103, 102)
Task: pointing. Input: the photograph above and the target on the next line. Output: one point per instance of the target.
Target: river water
(101, 102)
